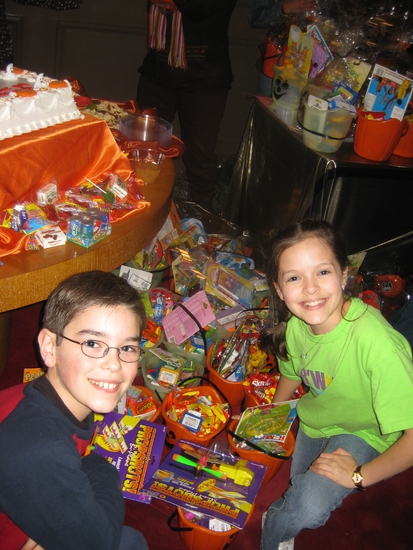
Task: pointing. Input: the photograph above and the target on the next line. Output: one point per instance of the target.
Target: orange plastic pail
(405, 146)
(196, 537)
(376, 139)
(176, 431)
(273, 464)
(147, 393)
(234, 391)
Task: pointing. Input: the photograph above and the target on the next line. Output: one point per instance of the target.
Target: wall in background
(104, 43)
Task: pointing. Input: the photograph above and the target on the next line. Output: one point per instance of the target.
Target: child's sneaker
(287, 545)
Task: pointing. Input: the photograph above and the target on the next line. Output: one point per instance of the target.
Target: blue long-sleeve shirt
(56, 497)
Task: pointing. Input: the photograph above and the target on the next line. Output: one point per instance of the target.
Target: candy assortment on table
(83, 213)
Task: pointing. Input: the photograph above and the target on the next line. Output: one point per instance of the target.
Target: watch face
(357, 478)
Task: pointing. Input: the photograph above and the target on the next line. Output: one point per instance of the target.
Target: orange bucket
(176, 431)
(234, 391)
(405, 146)
(376, 139)
(250, 400)
(196, 537)
(273, 464)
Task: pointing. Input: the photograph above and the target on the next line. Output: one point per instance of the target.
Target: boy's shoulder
(9, 399)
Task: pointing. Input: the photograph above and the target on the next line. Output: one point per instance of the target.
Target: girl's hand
(31, 545)
(337, 466)
(298, 6)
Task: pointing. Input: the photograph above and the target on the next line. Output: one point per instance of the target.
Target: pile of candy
(197, 412)
(139, 404)
(262, 386)
(82, 214)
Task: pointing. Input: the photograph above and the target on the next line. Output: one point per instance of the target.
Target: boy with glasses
(49, 491)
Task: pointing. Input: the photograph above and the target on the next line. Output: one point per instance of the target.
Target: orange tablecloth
(68, 152)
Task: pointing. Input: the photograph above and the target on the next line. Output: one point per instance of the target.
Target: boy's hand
(31, 545)
(337, 466)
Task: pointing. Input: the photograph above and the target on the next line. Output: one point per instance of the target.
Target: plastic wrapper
(267, 426)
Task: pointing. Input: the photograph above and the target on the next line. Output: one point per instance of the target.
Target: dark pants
(200, 114)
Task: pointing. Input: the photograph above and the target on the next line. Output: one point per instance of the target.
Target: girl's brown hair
(273, 340)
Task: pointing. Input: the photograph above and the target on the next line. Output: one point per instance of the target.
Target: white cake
(30, 101)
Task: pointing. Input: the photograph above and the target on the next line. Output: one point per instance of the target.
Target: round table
(29, 277)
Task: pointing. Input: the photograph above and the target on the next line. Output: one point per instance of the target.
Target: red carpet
(379, 518)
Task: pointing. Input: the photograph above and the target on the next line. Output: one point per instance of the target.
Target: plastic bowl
(146, 128)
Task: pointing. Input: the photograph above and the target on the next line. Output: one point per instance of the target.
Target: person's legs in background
(151, 94)
(200, 115)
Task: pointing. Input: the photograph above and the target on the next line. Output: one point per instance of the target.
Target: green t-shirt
(360, 377)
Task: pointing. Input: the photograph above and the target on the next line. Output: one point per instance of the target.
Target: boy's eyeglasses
(97, 350)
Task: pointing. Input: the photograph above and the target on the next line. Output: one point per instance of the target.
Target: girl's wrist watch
(357, 479)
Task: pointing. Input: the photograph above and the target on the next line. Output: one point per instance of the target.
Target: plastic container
(146, 128)
(196, 537)
(324, 130)
(404, 147)
(377, 139)
(176, 431)
(287, 89)
(233, 391)
(273, 464)
(149, 360)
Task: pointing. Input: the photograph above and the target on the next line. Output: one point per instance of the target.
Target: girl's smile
(311, 283)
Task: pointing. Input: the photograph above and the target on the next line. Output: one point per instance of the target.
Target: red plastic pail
(377, 139)
(404, 148)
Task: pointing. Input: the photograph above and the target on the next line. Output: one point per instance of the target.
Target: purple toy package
(134, 447)
(201, 481)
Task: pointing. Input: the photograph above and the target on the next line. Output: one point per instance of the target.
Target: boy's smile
(85, 383)
(310, 281)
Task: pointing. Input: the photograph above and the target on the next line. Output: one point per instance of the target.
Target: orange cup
(376, 139)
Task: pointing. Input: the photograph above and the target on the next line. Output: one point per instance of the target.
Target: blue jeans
(131, 539)
(311, 498)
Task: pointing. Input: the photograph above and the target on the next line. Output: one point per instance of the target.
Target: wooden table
(29, 277)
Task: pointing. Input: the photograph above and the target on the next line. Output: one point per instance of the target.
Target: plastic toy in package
(228, 286)
(299, 51)
(267, 425)
(240, 356)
